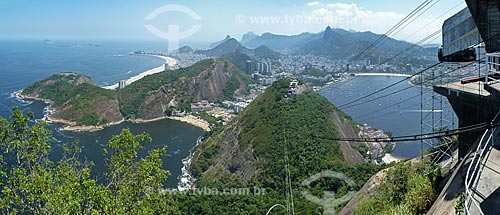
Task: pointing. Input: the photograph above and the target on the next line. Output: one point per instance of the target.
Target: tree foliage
(303, 125)
(408, 188)
(33, 184)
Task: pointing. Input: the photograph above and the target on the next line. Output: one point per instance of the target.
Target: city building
(122, 84)
(248, 67)
(201, 106)
(408, 68)
(239, 106)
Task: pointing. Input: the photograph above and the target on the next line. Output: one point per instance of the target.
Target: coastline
(193, 120)
(189, 119)
(168, 60)
(186, 180)
(71, 126)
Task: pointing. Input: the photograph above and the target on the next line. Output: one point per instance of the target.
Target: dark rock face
(77, 101)
(208, 85)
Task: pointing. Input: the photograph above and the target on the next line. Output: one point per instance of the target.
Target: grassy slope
(234, 83)
(407, 188)
(81, 99)
(238, 58)
(132, 96)
(304, 124)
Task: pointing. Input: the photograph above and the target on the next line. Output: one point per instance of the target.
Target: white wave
(47, 111)
(15, 95)
(186, 180)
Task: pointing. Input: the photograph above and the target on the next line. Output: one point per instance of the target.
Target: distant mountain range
(278, 42)
(341, 43)
(213, 45)
(184, 50)
(248, 37)
(227, 46)
(332, 42)
(231, 45)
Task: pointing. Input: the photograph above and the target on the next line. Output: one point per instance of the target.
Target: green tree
(137, 185)
(33, 184)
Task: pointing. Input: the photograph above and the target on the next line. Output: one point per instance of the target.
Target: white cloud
(341, 5)
(313, 3)
(351, 16)
(322, 12)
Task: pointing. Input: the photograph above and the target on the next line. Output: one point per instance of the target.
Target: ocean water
(107, 62)
(23, 62)
(398, 113)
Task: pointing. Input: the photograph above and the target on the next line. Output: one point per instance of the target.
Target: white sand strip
(168, 60)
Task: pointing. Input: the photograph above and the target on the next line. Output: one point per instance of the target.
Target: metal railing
(474, 171)
(475, 168)
(493, 72)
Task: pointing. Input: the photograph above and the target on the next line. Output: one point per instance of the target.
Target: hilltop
(337, 43)
(226, 46)
(279, 42)
(341, 43)
(250, 151)
(230, 45)
(213, 45)
(76, 101)
(211, 80)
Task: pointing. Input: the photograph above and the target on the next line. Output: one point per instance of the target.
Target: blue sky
(124, 19)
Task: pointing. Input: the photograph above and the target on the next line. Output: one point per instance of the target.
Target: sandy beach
(170, 61)
(190, 119)
(193, 120)
(70, 126)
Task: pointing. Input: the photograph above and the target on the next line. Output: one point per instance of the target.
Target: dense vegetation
(234, 83)
(238, 58)
(315, 72)
(76, 92)
(303, 125)
(63, 90)
(31, 183)
(273, 126)
(266, 52)
(78, 101)
(408, 188)
(133, 96)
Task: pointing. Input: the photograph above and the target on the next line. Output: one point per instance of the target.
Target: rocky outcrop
(76, 101)
(233, 157)
(74, 79)
(208, 84)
